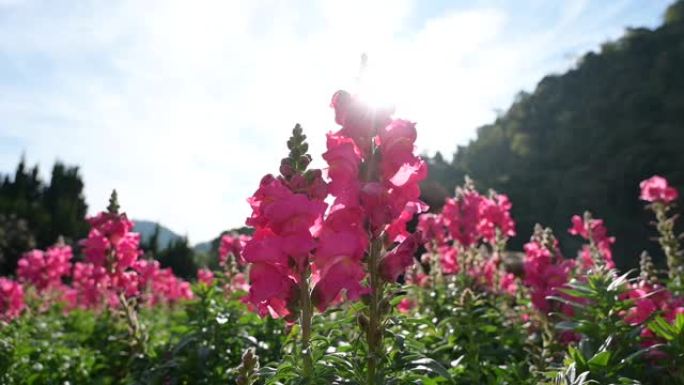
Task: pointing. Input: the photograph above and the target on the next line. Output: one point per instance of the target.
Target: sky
(183, 106)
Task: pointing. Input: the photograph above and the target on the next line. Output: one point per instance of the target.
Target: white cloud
(183, 106)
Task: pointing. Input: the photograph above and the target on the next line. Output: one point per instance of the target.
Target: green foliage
(609, 349)
(35, 214)
(180, 257)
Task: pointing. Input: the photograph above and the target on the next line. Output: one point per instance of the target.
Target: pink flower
(110, 242)
(405, 305)
(396, 261)
(91, 284)
(205, 276)
(126, 282)
(432, 228)
(112, 226)
(238, 283)
(340, 273)
(495, 214)
(359, 121)
(461, 216)
(271, 289)
(656, 189)
(45, 269)
(509, 284)
(593, 230)
(448, 260)
(342, 234)
(396, 231)
(232, 245)
(343, 158)
(544, 274)
(11, 299)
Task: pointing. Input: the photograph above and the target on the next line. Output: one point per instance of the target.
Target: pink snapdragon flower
(111, 243)
(285, 224)
(495, 214)
(205, 276)
(593, 230)
(91, 284)
(11, 299)
(232, 245)
(461, 216)
(649, 300)
(448, 260)
(656, 189)
(545, 273)
(405, 305)
(433, 230)
(159, 285)
(395, 263)
(374, 179)
(45, 270)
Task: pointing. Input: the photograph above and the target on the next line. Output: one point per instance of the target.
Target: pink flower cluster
(467, 220)
(648, 300)
(471, 217)
(232, 245)
(45, 269)
(113, 268)
(111, 243)
(159, 285)
(545, 272)
(656, 189)
(205, 276)
(285, 223)
(11, 299)
(374, 179)
(593, 231)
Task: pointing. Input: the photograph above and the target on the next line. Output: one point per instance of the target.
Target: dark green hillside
(584, 139)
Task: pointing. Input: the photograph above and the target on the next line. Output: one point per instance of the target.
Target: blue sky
(183, 105)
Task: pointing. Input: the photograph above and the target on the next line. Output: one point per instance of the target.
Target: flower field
(349, 278)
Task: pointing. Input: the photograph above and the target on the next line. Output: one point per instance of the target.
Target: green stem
(306, 315)
(669, 243)
(134, 328)
(374, 332)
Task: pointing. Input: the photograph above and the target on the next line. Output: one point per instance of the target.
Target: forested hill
(585, 139)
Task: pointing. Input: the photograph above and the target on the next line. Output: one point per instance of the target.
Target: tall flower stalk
(661, 198)
(286, 213)
(305, 255)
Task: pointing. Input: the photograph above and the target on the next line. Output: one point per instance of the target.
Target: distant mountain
(146, 229)
(203, 247)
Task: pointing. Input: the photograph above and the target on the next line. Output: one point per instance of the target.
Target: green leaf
(600, 359)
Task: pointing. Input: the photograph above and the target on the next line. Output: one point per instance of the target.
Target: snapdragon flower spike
(11, 299)
(287, 212)
(91, 284)
(232, 245)
(110, 242)
(495, 218)
(545, 269)
(461, 215)
(599, 249)
(45, 269)
(649, 299)
(205, 276)
(113, 268)
(374, 180)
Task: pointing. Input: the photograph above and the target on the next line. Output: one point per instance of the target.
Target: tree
(585, 139)
(40, 213)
